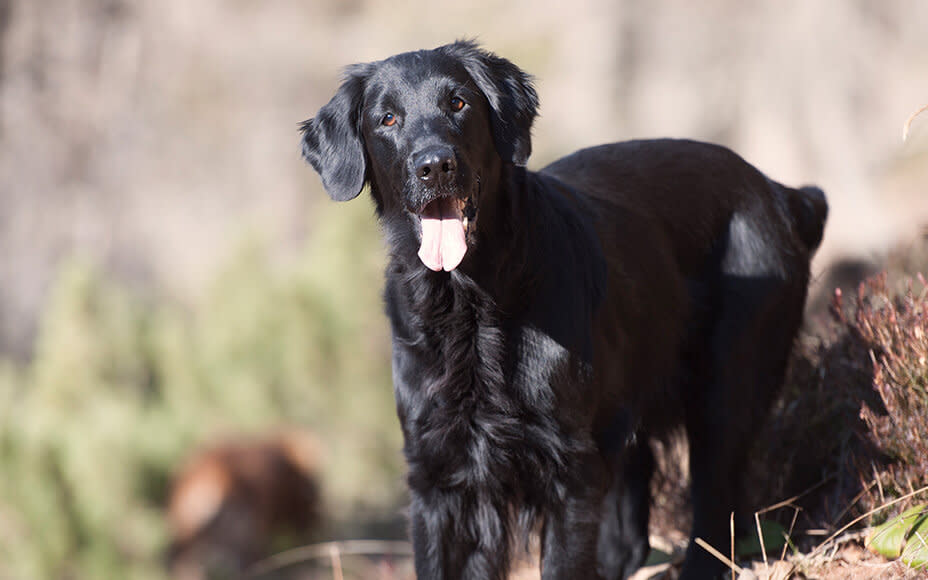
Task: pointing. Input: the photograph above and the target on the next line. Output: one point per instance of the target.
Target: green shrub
(120, 389)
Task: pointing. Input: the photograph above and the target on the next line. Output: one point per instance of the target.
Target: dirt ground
(847, 560)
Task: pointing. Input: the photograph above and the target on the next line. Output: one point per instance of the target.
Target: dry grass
(854, 416)
(894, 327)
(331, 553)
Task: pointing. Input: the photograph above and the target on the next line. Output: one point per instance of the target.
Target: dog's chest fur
(476, 392)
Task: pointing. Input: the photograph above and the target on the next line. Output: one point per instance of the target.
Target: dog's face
(430, 131)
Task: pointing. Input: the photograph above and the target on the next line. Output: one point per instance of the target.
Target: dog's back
(692, 190)
(682, 222)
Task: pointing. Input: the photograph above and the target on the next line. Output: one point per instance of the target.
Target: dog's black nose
(435, 164)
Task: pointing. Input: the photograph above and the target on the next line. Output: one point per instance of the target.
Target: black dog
(545, 325)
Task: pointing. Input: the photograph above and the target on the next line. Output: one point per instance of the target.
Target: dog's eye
(457, 103)
(388, 120)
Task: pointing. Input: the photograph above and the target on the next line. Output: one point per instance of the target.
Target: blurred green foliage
(122, 387)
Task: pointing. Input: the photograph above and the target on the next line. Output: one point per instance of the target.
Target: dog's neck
(499, 257)
(534, 244)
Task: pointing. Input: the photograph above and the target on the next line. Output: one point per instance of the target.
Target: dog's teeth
(465, 223)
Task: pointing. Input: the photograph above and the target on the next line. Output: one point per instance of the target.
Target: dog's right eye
(388, 120)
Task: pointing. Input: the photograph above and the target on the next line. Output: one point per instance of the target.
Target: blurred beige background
(171, 271)
(147, 135)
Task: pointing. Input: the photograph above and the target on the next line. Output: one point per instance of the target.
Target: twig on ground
(854, 501)
(316, 551)
(831, 538)
(336, 562)
(722, 557)
(731, 529)
(789, 501)
(908, 122)
(789, 533)
(760, 538)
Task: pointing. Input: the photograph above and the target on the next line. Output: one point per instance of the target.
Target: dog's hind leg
(623, 533)
(758, 309)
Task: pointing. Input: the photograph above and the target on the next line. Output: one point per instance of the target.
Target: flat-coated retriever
(547, 324)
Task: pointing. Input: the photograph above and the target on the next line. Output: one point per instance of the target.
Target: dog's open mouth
(445, 222)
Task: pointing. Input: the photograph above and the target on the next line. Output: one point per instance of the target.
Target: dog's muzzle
(445, 217)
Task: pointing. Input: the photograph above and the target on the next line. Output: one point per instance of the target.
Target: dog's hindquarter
(678, 221)
(708, 270)
(657, 225)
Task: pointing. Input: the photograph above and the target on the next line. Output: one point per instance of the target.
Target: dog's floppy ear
(513, 100)
(332, 140)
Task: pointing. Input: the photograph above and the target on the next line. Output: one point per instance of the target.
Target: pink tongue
(443, 245)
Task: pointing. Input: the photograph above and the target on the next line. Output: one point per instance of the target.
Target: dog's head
(424, 128)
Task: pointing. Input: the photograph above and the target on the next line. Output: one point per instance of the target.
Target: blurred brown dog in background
(230, 503)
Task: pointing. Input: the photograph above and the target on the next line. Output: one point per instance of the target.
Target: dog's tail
(809, 210)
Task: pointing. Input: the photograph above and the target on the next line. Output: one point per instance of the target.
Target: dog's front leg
(427, 542)
(456, 537)
(570, 535)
